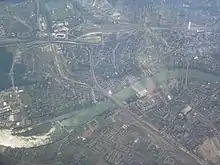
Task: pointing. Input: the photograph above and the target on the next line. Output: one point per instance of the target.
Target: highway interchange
(162, 138)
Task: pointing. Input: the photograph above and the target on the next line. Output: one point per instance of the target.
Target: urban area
(110, 82)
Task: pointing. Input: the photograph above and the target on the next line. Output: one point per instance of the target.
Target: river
(77, 118)
(85, 115)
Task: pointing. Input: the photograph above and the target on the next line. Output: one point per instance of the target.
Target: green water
(87, 114)
(6, 59)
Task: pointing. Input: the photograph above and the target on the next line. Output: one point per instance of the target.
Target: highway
(9, 42)
(105, 29)
(84, 115)
(168, 142)
(165, 139)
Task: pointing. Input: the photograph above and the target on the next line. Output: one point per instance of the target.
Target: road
(77, 118)
(104, 29)
(112, 28)
(129, 26)
(102, 90)
(167, 141)
(10, 41)
(162, 137)
(18, 20)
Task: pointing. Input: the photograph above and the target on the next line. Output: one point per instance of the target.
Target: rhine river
(160, 78)
(77, 118)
